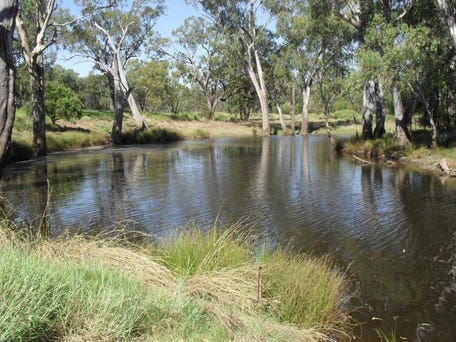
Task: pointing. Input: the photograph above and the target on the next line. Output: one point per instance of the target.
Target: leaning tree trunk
(38, 110)
(260, 88)
(402, 132)
(118, 97)
(282, 120)
(305, 109)
(8, 9)
(140, 123)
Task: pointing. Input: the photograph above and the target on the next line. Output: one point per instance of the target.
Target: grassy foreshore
(212, 286)
(440, 160)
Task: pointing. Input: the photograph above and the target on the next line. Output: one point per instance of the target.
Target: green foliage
(61, 102)
(154, 86)
(191, 251)
(94, 92)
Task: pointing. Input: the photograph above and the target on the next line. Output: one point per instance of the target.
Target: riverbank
(94, 127)
(440, 161)
(192, 286)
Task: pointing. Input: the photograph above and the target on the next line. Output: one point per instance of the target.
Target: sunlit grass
(204, 286)
(192, 251)
(61, 141)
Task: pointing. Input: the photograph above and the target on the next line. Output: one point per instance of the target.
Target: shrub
(61, 102)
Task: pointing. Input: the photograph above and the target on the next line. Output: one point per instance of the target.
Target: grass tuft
(201, 133)
(191, 251)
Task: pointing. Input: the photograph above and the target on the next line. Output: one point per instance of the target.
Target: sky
(176, 12)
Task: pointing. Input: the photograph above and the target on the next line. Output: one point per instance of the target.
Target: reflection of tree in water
(433, 247)
(446, 302)
(42, 200)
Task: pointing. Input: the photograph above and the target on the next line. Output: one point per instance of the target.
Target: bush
(61, 102)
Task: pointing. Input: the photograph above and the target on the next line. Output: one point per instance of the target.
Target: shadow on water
(392, 229)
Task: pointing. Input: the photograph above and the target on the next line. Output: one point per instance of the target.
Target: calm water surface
(393, 229)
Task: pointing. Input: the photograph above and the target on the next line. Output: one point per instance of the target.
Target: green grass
(377, 149)
(191, 251)
(303, 290)
(201, 133)
(191, 286)
(60, 141)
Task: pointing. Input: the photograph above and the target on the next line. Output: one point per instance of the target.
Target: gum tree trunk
(38, 110)
(8, 9)
(401, 119)
(379, 130)
(140, 124)
(282, 120)
(305, 109)
(118, 99)
(260, 88)
(293, 110)
(368, 109)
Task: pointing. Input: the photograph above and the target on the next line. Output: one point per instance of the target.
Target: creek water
(392, 229)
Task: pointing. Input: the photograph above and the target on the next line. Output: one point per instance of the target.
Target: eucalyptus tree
(148, 79)
(198, 58)
(111, 35)
(280, 79)
(8, 9)
(433, 87)
(315, 43)
(363, 16)
(240, 19)
(38, 27)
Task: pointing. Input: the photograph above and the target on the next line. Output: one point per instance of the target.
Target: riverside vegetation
(93, 129)
(190, 286)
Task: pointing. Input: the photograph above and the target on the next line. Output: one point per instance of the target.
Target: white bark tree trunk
(260, 87)
(282, 120)
(305, 109)
(368, 108)
(130, 99)
(402, 132)
(118, 98)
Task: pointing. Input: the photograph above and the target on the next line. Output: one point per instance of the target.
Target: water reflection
(393, 229)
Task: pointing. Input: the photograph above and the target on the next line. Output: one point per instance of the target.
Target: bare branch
(405, 10)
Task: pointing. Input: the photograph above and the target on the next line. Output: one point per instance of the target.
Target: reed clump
(193, 285)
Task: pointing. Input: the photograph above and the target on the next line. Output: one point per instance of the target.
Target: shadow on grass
(150, 136)
(57, 128)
